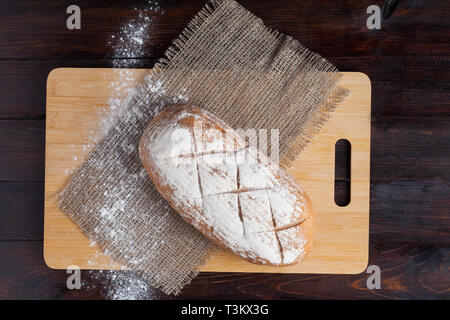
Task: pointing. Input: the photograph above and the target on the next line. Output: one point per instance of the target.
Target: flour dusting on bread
(229, 191)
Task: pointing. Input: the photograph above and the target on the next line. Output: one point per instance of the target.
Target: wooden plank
(401, 86)
(420, 98)
(408, 271)
(22, 150)
(410, 149)
(341, 233)
(328, 27)
(411, 211)
(23, 83)
(21, 208)
(399, 69)
(24, 275)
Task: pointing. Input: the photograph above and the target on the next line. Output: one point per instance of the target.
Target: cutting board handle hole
(342, 172)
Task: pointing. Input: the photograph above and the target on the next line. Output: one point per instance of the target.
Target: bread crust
(296, 235)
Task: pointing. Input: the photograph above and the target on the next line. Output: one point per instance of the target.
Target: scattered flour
(131, 41)
(118, 285)
(133, 34)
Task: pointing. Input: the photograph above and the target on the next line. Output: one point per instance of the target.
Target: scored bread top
(226, 189)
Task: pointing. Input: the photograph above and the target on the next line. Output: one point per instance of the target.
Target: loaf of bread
(233, 194)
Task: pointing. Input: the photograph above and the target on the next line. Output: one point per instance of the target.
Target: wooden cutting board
(341, 234)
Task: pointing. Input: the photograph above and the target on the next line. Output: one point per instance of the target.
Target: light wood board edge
(300, 170)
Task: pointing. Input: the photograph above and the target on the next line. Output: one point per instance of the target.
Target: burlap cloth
(229, 63)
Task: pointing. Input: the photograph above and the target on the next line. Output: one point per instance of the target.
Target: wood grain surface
(341, 234)
(407, 60)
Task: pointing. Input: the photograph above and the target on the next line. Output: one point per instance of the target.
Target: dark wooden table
(408, 61)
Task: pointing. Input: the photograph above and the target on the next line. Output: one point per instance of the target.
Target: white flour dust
(130, 43)
(119, 285)
(134, 33)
